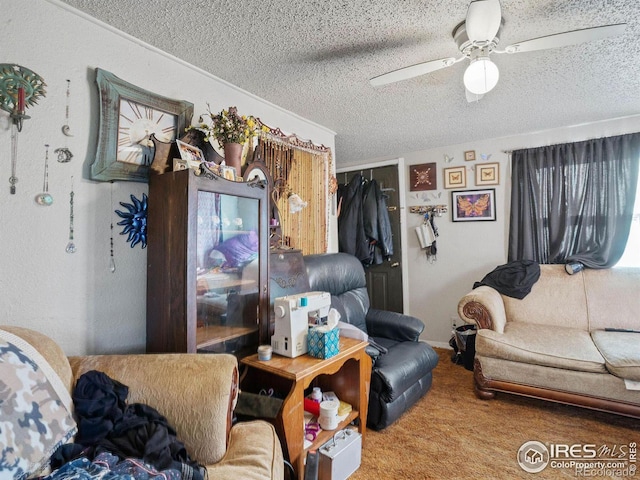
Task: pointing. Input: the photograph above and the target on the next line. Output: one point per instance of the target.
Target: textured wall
(75, 298)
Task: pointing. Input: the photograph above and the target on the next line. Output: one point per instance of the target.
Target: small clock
(257, 170)
(129, 116)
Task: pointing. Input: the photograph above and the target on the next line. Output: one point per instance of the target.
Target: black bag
(257, 406)
(466, 341)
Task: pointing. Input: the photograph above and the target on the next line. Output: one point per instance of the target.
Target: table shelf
(347, 374)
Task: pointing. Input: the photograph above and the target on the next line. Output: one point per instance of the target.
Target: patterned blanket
(109, 466)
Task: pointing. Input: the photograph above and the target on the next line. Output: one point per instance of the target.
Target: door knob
(395, 264)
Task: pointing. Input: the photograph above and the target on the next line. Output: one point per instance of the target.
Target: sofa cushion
(207, 382)
(35, 409)
(613, 298)
(550, 346)
(556, 299)
(254, 453)
(621, 352)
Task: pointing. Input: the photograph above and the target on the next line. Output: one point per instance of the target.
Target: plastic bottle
(316, 394)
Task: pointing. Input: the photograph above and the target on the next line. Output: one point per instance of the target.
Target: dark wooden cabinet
(207, 264)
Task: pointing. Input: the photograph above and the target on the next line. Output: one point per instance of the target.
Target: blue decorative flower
(135, 221)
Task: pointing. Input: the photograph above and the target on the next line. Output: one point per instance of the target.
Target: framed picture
(473, 205)
(423, 177)
(455, 177)
(129, 117)
(190, 153)
(228, 172)
(487, 174)
(470, 155)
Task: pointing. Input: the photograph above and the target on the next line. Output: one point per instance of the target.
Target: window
(631, 255)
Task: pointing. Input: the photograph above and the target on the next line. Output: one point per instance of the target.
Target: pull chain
(71, 247)
(112, 261)
(44, 198)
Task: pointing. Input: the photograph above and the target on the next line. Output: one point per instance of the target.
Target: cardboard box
(323, 344)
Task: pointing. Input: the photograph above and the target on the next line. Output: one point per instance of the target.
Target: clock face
(136, 124)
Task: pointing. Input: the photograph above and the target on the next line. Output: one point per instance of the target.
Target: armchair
(195, 392)
(402, 364)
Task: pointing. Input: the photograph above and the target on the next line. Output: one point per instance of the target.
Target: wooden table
(348, 374)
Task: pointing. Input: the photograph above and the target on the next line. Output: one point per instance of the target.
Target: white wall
(469, 250)
(74, 298)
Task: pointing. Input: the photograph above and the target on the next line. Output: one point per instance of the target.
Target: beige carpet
(451, 434)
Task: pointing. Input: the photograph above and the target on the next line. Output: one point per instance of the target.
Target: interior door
(384, 281)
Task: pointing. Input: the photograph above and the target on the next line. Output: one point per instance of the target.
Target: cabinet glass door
(227, 272)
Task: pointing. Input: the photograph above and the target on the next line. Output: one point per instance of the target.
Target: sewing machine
(294, 314)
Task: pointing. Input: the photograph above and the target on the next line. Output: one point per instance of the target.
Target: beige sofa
(553, 343)
(195, 392)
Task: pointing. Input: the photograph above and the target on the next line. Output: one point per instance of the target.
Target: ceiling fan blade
(412, 71)
(483, 20)
(472, 97)
(567, 38)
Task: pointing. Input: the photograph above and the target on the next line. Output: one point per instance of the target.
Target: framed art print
(487, 174)
(129, 117)
(473, 205)
(228, 172)
(470, 155)
(455, 177)
(189, 152)
(423, 177)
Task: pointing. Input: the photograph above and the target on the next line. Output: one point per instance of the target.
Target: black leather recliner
(402, 364)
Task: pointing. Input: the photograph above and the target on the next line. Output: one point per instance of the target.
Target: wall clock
(258, 171)
(129, 116)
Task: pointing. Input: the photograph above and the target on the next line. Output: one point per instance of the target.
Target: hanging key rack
(435, 210)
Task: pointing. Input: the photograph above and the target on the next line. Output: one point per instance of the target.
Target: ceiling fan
(477, 38)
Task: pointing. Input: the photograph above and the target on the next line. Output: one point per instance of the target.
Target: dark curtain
(574, 201)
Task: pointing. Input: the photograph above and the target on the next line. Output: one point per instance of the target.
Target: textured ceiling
(315, 57)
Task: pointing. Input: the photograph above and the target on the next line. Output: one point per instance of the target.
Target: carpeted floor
(451, 434)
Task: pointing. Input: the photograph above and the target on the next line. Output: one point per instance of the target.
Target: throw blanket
(109, 466)
(513, 279)
(137, 431)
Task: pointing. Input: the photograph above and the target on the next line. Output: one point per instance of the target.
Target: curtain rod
(508, 152)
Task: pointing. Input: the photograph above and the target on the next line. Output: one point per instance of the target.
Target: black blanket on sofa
(107, 424)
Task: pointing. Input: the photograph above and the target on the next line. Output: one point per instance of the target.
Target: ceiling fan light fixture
(481, 75)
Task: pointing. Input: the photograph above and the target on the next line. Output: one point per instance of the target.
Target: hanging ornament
(64, 154)
(44, 198)
(135, 221)
(19, 89)
(112, 261)
(65, 128)
(14, 158)
(71, 246)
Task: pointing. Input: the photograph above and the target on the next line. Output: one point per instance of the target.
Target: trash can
(466, 342)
